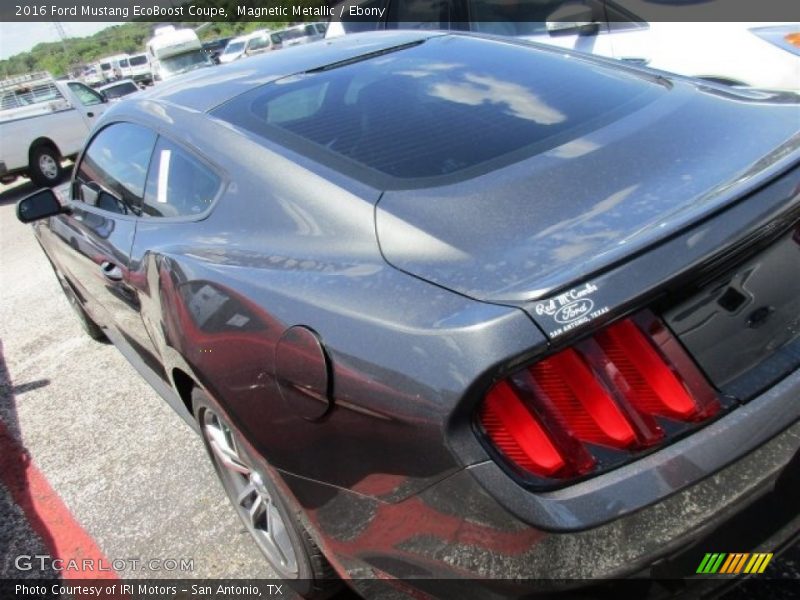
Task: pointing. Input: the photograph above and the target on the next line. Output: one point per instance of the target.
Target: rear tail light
(629, 388)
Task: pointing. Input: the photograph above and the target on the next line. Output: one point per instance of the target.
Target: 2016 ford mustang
(448, 306)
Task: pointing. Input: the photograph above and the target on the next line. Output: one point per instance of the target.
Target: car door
(90, 104)
(92, 243)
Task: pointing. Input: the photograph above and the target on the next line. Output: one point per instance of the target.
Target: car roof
(203, 89)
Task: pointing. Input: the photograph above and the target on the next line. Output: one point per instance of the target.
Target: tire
(88, 325)
(45, 166)
(281, 537)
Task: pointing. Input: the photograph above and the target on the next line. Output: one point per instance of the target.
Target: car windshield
(138, 60)
(441, 107)
(174, 65)
(105, 66)
(117, 91)
(234, 48)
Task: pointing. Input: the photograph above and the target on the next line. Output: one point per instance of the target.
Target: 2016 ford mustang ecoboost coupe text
(447, 306)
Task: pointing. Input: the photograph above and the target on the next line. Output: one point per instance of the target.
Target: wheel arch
(184, 384)
(39, 142)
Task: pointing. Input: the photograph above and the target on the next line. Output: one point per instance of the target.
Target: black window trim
(204, 161)
(224, 180)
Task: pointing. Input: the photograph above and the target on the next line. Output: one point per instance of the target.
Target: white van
(113, 67)
(175, 51)
(139, 68)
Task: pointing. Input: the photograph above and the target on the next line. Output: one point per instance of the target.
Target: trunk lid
(539, 226)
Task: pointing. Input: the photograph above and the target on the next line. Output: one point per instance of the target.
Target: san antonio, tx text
(59, 589)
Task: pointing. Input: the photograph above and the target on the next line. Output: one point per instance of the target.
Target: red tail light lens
(597, 403)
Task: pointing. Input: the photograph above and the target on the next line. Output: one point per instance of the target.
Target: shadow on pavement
(23, 531)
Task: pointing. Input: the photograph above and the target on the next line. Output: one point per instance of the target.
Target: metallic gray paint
(290, 242)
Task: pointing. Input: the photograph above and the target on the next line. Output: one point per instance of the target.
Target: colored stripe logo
(734, 563)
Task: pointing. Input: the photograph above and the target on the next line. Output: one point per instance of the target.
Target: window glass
(113, 170)
(234, 48)
(178, 185)
(439, 107)
(123, 63)
(86, 96)
(258, 43)
(138, 60)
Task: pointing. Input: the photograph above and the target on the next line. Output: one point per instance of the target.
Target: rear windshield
(138, 60)
(450, 107)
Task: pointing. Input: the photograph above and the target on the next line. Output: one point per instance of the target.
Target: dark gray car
(444, 306)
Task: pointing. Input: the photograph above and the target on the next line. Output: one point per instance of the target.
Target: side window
(86, 96)
(258, 43)
(178, 184)
(113, 170)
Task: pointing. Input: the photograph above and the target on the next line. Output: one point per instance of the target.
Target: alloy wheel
(251, 496)
(48, 166)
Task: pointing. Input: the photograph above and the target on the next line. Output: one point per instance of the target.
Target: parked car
(215, 47)
(451, 310)
(250, 45)
(42, 121)
(763, 54)
(173, 52)
(119, 89)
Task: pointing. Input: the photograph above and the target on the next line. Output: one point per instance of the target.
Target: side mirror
(39, 205)
(572, 18)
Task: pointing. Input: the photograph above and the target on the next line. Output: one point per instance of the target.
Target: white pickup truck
(42, 121)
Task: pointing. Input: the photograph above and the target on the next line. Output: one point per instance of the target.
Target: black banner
(388, 10)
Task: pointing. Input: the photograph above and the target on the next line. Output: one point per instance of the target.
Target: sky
(20, 37)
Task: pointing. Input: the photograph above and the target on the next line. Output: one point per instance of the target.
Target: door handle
(111, 271)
